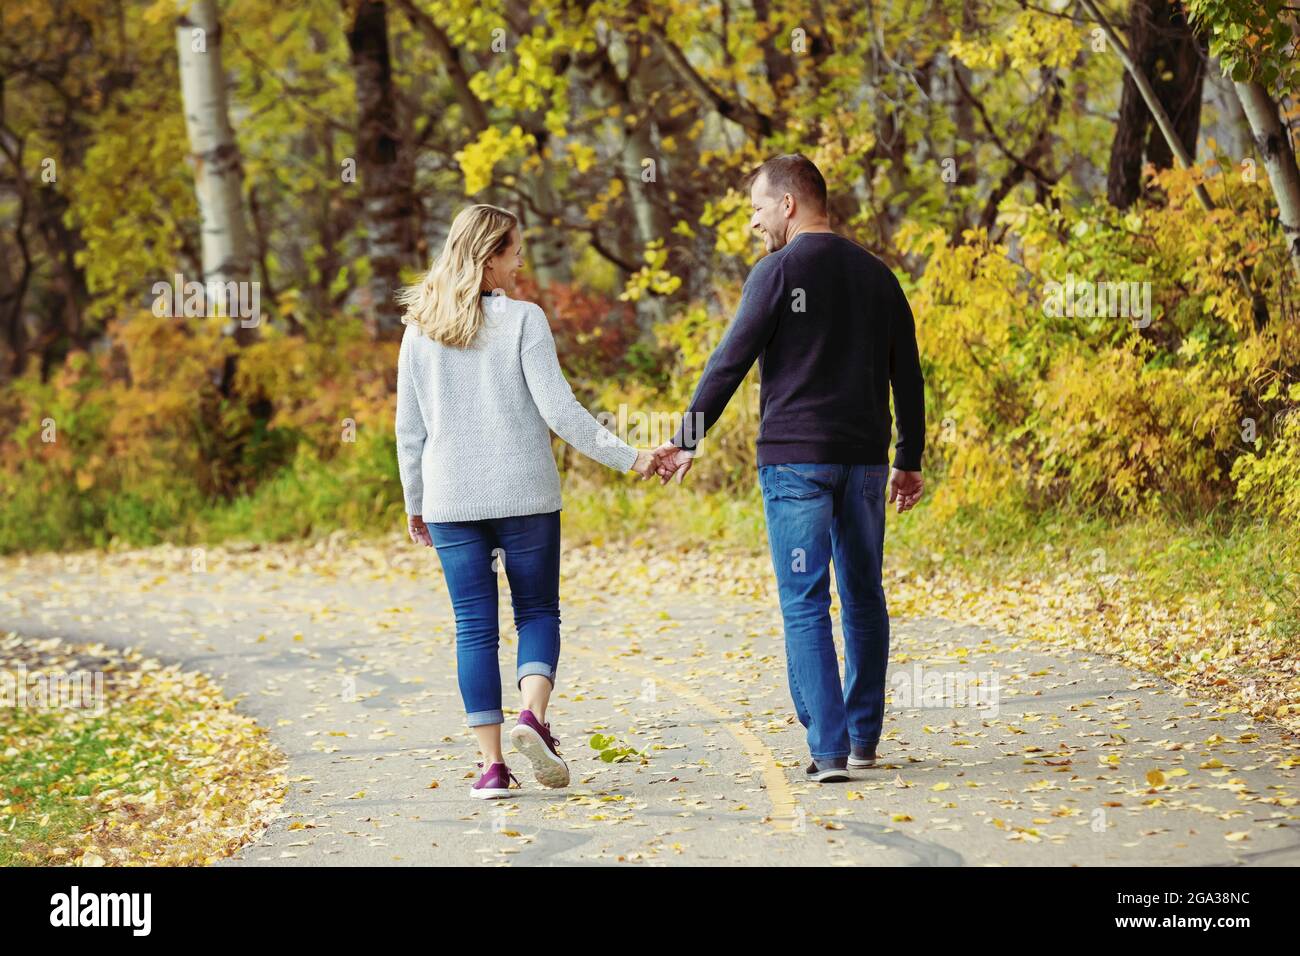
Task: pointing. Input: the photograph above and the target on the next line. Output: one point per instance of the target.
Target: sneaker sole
(550, 770)
(834, 775)
(861, 764)
(495, 793)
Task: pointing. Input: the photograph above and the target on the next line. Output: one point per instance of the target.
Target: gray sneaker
(833, 770)
(862, 757)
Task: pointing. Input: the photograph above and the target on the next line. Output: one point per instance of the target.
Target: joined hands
(667, 461)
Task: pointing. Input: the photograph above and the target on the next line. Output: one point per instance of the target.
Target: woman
(479, 390)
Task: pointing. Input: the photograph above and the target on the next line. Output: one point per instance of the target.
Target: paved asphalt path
(1075, 760)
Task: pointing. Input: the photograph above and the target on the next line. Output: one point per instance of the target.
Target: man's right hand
(671, 461)
(905, 488)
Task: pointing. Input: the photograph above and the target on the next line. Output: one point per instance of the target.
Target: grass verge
(110, 758)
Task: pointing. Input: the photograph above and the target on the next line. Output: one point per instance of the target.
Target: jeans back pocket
(800, 481)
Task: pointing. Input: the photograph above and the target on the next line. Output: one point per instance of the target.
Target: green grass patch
(152, 766)
(55, 763)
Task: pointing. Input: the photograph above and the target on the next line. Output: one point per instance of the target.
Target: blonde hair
(446, 305)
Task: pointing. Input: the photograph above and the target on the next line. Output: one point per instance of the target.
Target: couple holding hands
(480, 390)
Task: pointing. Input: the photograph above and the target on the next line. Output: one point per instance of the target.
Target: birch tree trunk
(1274, 144)
(218, 176)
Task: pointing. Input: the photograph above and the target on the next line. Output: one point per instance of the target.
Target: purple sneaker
(533, 739)
(494, 783)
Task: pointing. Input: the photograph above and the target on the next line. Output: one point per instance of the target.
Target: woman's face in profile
(499, 273)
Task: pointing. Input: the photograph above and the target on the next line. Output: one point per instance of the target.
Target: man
(832, 331)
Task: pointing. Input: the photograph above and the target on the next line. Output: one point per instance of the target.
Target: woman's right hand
(418, 530)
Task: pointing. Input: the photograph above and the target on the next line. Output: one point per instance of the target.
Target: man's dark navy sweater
(832, 330)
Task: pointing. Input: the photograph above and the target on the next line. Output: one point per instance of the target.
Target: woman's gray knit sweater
(474, 424)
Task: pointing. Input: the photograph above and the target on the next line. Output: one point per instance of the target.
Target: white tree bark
(214, 155)
(1274, 145)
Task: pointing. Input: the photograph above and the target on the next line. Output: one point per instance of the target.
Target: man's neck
(813, 226)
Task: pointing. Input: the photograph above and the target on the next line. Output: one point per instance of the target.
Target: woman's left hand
(418, 530)
(644, 464)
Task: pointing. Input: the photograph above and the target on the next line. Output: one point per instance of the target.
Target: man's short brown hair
(793, 173)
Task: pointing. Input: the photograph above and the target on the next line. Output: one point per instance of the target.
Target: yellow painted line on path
(785, 807)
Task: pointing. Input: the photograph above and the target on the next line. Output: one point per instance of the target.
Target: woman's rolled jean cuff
(534, 667)
(483, 718)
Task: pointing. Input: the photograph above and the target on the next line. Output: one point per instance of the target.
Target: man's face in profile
(769, 219)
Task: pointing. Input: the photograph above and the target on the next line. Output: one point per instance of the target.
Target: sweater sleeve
(411, 432)
(554, 398)
(745, 339)
(908, 386)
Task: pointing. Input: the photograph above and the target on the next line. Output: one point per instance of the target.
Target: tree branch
(737, 110)
(475, 111)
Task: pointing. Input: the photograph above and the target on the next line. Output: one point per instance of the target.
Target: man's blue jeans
(816, 513)
(472, 553)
